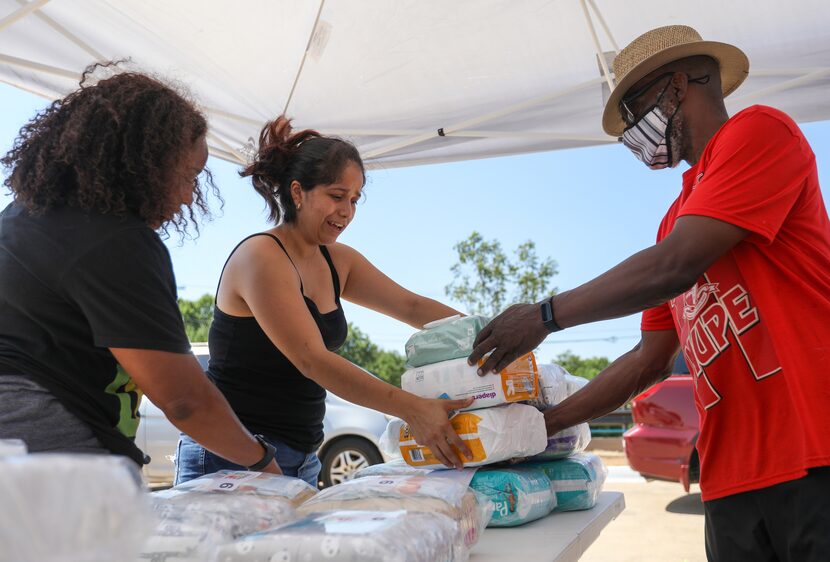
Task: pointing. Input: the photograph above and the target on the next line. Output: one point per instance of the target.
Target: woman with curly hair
(86, 282)
(278, 320)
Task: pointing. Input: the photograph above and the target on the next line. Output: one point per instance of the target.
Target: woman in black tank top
(278, 320)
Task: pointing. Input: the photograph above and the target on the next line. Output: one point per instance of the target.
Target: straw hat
(663, 45)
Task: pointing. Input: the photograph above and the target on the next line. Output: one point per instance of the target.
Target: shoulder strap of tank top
(335, 279)
(277, 240)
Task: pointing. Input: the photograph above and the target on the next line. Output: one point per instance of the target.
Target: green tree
(359, 349)
(486, 280)
(586, 367)
(197, 317)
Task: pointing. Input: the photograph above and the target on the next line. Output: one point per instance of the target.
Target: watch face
(547, 313)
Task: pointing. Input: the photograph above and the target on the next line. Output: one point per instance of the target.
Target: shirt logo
(695, 299)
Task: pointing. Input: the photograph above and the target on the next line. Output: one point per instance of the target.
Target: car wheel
(345, 457)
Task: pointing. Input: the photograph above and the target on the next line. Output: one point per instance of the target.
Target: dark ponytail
(306, 156)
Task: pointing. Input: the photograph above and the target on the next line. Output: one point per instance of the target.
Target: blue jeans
(193, 461)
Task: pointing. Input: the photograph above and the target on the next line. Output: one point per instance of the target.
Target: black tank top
(267, 392)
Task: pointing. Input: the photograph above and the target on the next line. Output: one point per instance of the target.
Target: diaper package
(448, 494)
(72, 508)
(396, 467)
(519, 494)
(352, 536)
(448, 338)
(566, 443)
(577, 480)
(553, 386)
(454, 379)
(199, 515)
(261, 484)
(493, 435)
(574, 383)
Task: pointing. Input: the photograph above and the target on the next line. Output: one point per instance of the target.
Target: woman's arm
(266, 281)
(176, 384)
(367, 286)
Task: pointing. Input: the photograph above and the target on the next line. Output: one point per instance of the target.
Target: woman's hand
(428, 420)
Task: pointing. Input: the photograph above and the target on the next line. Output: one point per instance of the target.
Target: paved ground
(661, 523)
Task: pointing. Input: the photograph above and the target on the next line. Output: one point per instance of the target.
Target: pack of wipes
(576, 480)
(519, 494)
(448, 338)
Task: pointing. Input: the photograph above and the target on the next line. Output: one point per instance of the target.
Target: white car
(351, 437)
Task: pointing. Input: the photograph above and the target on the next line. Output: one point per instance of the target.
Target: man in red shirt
(739, 280)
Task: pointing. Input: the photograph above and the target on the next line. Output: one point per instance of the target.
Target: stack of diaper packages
(576, 477)
(498, 426)
(414, 518)
(197, 517)
(503, 424)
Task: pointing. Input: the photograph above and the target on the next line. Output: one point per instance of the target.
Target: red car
(661, 445)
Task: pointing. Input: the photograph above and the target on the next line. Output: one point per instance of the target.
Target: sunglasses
(625, 110)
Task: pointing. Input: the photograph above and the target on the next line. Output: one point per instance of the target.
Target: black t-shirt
(73, 284)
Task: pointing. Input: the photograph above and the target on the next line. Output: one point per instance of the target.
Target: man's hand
(514, 332)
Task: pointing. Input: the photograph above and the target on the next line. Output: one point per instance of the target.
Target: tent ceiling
(495, 77)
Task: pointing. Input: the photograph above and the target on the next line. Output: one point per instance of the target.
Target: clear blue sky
(586, 208)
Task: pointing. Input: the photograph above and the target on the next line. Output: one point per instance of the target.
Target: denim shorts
(193, 461)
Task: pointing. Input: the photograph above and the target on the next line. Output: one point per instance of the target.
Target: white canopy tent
(409, 81)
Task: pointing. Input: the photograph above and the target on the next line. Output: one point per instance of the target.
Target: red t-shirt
(755, 328)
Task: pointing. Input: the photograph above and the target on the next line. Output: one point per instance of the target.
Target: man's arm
(646, 279)
(176, 383)
(648, 363)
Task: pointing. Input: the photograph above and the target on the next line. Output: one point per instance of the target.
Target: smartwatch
(270, 451)
(547, 316)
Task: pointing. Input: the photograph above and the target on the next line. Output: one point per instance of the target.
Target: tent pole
(46, 69)
(30, 90)
(806, 79)
(597, 47)
(305, 56)
(605, 26)
(533, 136)
(67, 34)
(448, 130)
(227, 147)
(21, 13)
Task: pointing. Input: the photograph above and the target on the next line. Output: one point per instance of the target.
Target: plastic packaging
(199, 515)
(263, 484)
(519, 494)
(448, 494)
(493, 435)
(455, 379)
(352, 536)
(12, 447)
(553, 386)
(397, 467)
(574, 383)
(71, 508)
(448, 338)
(565, 443)
(577, 480)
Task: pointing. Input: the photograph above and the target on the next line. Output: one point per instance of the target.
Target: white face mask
(649, 139)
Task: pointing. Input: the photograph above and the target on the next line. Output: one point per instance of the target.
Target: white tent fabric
(409, 81)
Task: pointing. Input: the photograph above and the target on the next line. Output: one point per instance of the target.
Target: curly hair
(111, 147)
(305, 156)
